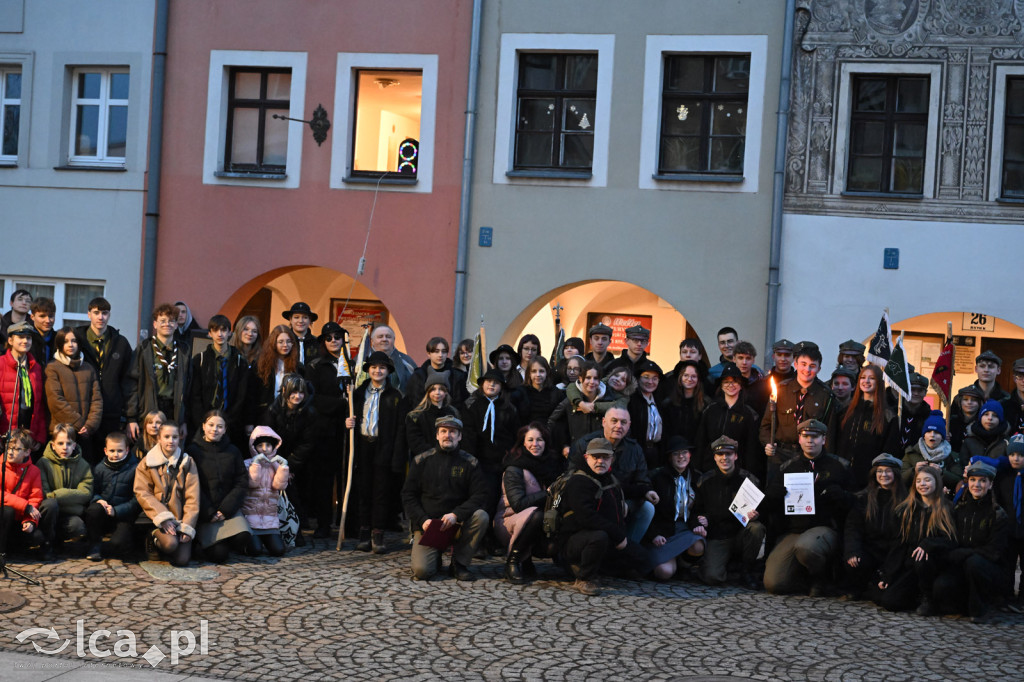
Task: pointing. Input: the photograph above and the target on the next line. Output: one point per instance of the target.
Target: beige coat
(152, 482)
(73, 395)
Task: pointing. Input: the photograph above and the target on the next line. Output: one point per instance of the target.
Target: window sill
(550, 174)
(697, 177)
(1010, 200)
(882, 195)
(8, 164)
(250, 176)
(103, 169)
(390, 179)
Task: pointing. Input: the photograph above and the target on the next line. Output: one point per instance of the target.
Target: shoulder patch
(420, 458)
(470, 459)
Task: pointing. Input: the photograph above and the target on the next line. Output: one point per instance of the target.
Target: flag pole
(899, 403)
(952, 370)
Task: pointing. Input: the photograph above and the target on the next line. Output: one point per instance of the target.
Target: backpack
(553, 503)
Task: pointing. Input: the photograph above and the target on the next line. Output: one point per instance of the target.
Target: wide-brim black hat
(378, 357)
(300, 308)
(504, 348)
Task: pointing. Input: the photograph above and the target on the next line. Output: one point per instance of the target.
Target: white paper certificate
(799, 493)
(746, 500)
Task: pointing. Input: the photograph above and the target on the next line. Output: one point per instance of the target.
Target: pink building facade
(256, 215)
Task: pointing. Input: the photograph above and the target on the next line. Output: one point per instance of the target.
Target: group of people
(603, 463)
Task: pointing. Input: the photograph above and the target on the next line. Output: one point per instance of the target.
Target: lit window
(10, 112)
(555, 119)
(255, 141)
(704, 114)
(1013, 140)
(387, 122)
(99, 116)
(888, 133)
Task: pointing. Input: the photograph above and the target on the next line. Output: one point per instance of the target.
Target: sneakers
(94, 553)
(377, 542)
(587, 587)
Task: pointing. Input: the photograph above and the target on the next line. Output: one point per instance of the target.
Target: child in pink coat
(268, 476)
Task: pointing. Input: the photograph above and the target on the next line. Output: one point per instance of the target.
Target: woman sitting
(871, 525)
(223, 485)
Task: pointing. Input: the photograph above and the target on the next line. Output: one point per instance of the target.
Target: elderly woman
(530, 467)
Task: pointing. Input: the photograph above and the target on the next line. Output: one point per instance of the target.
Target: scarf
(939, 454)
(73, 363)
(371, 412)
(165, 361)
(489, 416)
(26, 384)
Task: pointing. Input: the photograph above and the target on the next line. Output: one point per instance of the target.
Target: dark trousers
(218, 552)
(271, 542)
(11, 534)
(98, 523)
(1014, 554)
(858, 579)
(974, 583)
(58, 526)
(374, 472)
(589, 552)
(904, 591)
(746, 544)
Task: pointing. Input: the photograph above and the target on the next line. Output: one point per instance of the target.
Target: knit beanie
(935, 422)
(992, 406)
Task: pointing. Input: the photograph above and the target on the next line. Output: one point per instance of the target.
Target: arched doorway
(973, 334)
(619, 304)
(332, 295)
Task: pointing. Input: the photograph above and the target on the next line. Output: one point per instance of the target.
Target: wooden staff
(348, 477)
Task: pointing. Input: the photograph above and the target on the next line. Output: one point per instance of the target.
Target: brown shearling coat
(151, 486)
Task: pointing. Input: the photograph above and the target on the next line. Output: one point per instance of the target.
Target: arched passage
(271, 293)
(581, 302)
(973, 333)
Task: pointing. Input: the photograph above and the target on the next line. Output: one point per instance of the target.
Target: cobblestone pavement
(320, 614)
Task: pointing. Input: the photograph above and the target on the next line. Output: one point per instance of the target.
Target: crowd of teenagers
(604, 464)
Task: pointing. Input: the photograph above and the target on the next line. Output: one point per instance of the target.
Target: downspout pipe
(459, 313)
(779, 178)
(156, 136)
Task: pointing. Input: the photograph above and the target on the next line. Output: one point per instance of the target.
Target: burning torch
(773, 406)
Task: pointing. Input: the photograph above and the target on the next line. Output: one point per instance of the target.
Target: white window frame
(63, 318)
(221, 62)
(5, 101)
(995, 182)
(104, 102)
(512, 44)
(660, 46)
(348, 66)
(844, 111)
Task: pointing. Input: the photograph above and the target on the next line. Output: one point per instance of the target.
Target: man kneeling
(446, 487)
(592, 532)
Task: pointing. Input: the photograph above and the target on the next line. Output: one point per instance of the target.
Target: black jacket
(629, 467)
(223, 479)
(42, 350)
(663, 482)
(715, 493)
(205, 379)
(300, 434)
(390, 421)
(414, 388)
(832, 496)
(442, 482)
(876, 536)
(982, 528)
(142, 379)
(115, 484)
(420, 432)
(592, 502)
(330, 398)
(113, 371)
(858, 444)
(1005, 481)
(540, 404)
(683, 419)
(738, 422)
(477, 442)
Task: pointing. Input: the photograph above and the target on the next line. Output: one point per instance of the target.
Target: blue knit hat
(992, 406)
(935, 422)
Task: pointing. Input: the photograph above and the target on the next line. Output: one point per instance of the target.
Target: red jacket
(29, 490)
(8, 379)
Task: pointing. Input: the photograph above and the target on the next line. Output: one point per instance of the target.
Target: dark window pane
(865, 174)
(89, 85)
(247, 85)
(868, 138)
(682, 117)
(581, 72)
(13, 89)
(680, 154)
(727, 155)
(12, 112)
(1013, 180)
(684, 73)
(536, 71)
(729, 118)
(578, 151)
(912, 95)
(910, 139)
(1013, 143)
(1015, 96)
(119, 86)
(578, 114)
(536, 114)
(732, 74)
(533, 149)
(870, 95)
(86, 130)
(908, 175)
(117, 132)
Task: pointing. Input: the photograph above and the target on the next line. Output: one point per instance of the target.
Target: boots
(514, 568)
(377, 542)
(364, 540)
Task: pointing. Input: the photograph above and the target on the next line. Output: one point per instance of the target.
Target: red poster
(619, 322)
